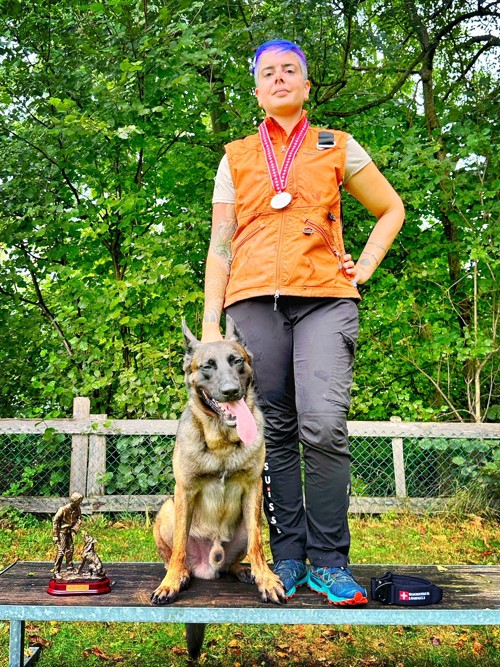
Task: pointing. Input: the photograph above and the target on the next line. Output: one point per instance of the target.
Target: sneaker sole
(290, 593)
(358, 598)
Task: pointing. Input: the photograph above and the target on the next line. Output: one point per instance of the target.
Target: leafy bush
(35, 466)
(139, 465)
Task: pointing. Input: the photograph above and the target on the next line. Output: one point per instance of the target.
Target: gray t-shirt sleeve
(224, 192)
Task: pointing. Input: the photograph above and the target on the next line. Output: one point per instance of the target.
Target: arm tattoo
(212, 315)
(218, 267)
(364, 261)
(377, 245)
(222, 240)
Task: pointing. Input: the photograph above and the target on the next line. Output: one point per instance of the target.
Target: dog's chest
(230, 462)
(218, 505)
(224, 469)
(224, 474)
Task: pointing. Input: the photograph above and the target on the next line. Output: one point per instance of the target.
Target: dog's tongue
(245, 422)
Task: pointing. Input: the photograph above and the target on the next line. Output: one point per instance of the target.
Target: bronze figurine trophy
(90, 576)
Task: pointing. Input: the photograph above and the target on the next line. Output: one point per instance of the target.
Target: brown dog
(214, 519)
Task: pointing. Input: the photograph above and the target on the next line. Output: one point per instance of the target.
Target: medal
(281, 200)
(279, 177)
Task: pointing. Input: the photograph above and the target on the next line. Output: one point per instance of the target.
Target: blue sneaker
(292, 573)
(337, 584)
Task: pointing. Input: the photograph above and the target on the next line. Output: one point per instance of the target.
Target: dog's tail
(217, 555)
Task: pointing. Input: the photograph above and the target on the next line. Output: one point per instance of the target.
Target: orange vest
(298, 250)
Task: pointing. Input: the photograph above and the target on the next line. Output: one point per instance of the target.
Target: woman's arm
(375, 192)
(217, 269)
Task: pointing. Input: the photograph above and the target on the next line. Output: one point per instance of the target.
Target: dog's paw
(163, 595)
(243, 574)
(270, 588)
(167, 592)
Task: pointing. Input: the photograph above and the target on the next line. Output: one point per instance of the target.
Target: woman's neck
(287, 121)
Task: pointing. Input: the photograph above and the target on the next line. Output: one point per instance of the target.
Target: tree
(114, 115)
(100, 243)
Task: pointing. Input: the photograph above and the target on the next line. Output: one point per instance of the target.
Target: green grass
(388, 539)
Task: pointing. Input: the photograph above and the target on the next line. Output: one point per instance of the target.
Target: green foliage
(476, 461)
(434, 467)
(112, 121)
(100, 248)
(141, 465)
(35, 467)
(487, 475)
(12, 519)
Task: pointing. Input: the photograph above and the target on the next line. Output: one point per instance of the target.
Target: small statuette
(90, 576)
(281, 200)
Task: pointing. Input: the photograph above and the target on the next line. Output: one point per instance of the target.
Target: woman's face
(282, 88)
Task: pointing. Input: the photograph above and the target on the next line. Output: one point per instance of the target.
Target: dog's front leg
(178, 575)
(268, 583)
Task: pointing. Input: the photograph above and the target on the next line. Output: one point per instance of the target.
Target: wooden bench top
(471, 597)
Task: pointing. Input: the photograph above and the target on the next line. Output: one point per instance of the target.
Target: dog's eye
(236, 361)
(208, 365)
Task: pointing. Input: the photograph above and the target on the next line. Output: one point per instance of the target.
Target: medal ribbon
(280, 178)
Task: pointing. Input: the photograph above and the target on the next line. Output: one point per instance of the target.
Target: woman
(277, 265)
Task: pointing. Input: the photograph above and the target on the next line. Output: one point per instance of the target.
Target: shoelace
(340, 575)
(288, 567)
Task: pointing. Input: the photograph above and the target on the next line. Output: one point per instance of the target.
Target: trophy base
(79, 586)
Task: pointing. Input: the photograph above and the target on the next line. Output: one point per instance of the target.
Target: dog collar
(404, 590)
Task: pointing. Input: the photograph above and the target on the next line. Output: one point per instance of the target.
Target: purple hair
(279, 45)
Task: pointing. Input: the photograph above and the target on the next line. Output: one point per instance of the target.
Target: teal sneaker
(337, 584)
(292, 573)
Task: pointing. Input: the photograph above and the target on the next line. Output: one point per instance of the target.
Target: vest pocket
(247, 237)
(333, 241)
(313, 228)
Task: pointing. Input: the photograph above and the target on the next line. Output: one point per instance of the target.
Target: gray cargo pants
(303, 360)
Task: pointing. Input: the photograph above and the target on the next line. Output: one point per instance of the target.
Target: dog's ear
(190, 342)
(232, 331)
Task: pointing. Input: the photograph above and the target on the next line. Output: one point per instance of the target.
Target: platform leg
(34, 655)
(16, 655)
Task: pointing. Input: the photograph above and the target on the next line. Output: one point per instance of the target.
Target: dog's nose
(230, 392)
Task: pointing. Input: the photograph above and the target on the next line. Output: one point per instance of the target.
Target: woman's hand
(356, 272)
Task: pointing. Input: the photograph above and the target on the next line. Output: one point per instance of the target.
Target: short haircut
(279, 45)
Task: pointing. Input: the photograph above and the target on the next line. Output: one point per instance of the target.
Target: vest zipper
(278, 262)
(247, 238)
(328, 241)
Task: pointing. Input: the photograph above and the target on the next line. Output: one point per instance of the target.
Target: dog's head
(219, 375)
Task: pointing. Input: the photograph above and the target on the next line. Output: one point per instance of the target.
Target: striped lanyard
(279, 177)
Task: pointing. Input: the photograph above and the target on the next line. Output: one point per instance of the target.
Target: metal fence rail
(126, 464)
